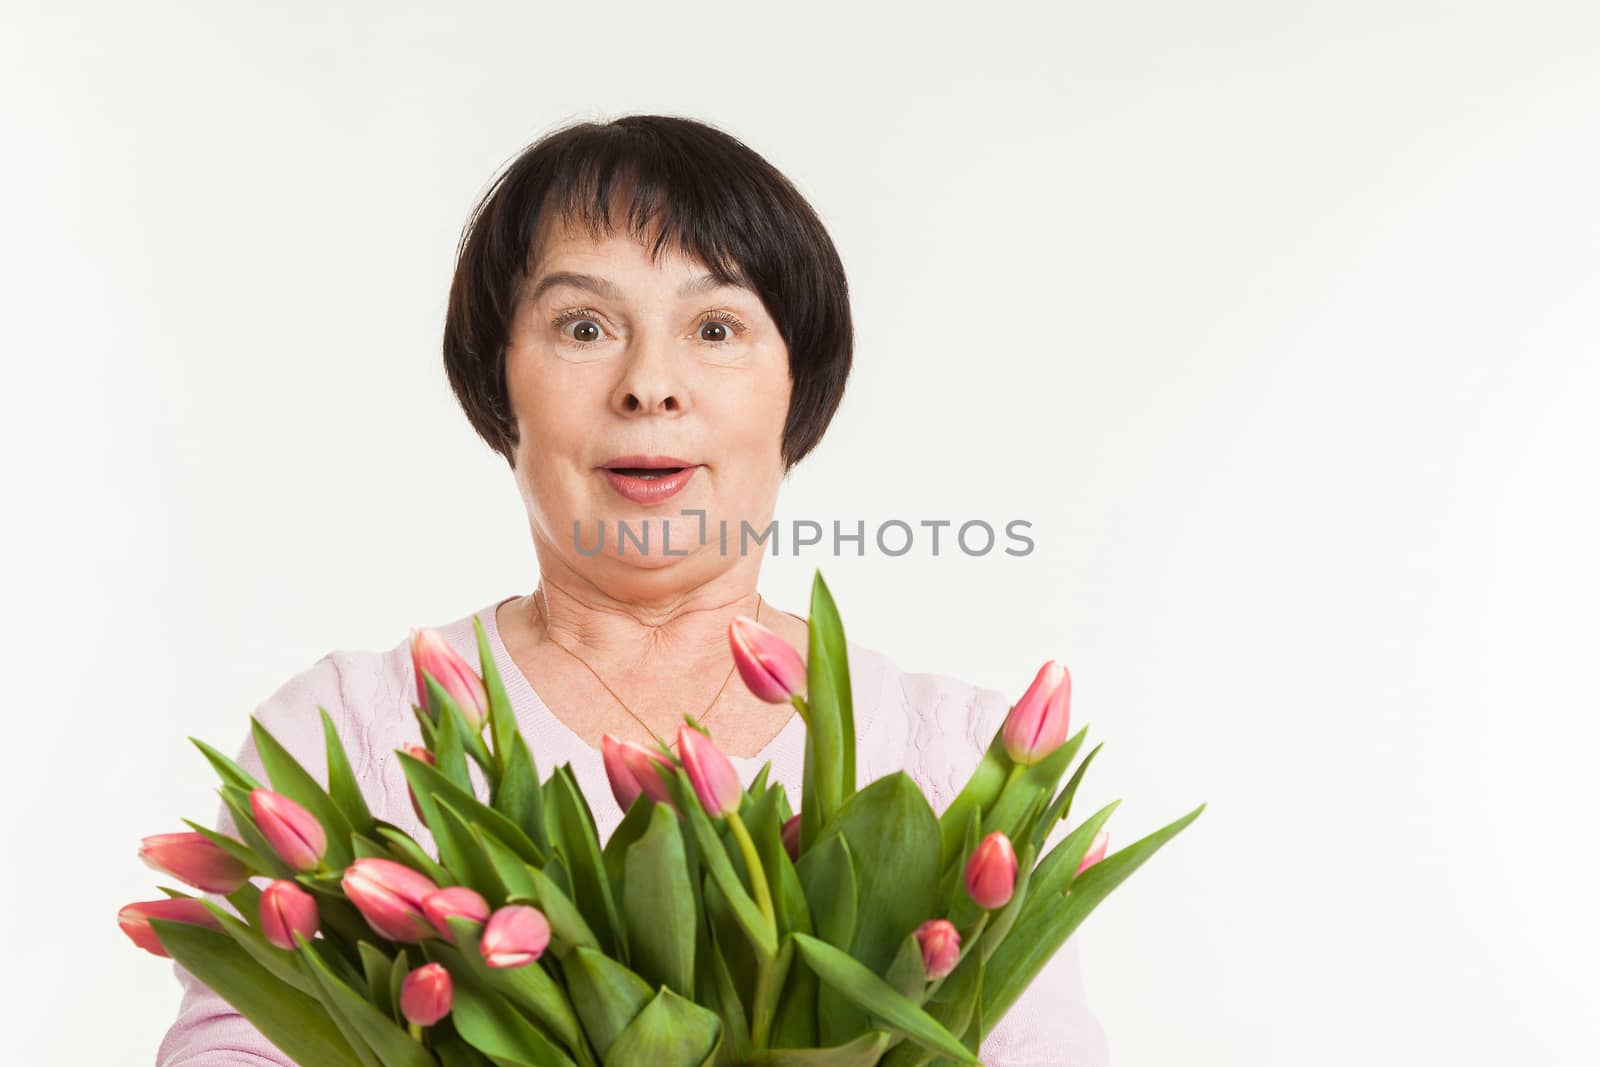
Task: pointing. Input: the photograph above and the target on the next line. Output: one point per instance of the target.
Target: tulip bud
(640, 763)
(991, 873)
(425, 995)
(791, 837)
(432, 654)
(292, 831)
(417, 752)
(715, 781)
(135, 920)
(1037, 724)
(193, 859)
(624, 786)
(941, 947)
(1096, 853)
(516, 935)
(769, 665)
(457, 901)
(389, 896)
(286, 910)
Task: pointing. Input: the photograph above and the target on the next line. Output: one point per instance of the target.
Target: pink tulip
(417, 752)
(791, 837)
(991, 873)
(135, 920)
(425, 995)
(769, 665)
(286, 910)
(715, 781)
(1096, 853)
(639, 762)
(624, 786)
(1037, 724)
(389, 896)
(292, 831)
(457, 901)
(431, 653)
(193, 859)
(941, 947)
(516, 935)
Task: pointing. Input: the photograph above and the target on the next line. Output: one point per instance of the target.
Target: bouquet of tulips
(715, 926)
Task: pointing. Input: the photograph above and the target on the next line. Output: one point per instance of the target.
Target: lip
(648, 491)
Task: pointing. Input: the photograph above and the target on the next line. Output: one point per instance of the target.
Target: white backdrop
(1278, 323)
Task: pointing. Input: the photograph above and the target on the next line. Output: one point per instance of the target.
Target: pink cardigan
(932, 726)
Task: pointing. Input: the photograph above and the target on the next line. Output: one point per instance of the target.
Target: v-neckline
(517, 682)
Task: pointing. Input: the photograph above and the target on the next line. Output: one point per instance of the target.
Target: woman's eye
(719, 327)
(584, 331)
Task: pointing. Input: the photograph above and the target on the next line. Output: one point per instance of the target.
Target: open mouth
(647, 473)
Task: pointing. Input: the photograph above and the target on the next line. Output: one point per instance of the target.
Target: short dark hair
(710, 196)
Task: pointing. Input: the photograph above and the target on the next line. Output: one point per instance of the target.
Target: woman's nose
(649, 383)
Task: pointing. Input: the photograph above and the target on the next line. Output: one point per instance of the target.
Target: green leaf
(529, 988)
(389, 1042)
(568, 930)
(296, 1023)
(471, 737)
(237, 849)
(230, 772)
(670, 1031)
(976, 797)
(279, 962)
(1063, 803)
(830, 766)
(716, 985)
(890, 821)
(397, 981)
(906, 973)
(1026, 787)
(864, 1051)
(714, 860)
(296, 783)
(606, 995)
(518, 796)
(343, 787)
(502, 724)
(828, 875)
(490, 1025)
(573, 833)
(615, 853)
(379, 969)
(659, 907)
(408, 852)
(426, 781)
(449, 755)
(1048, 920)
(1060, 864)
(477, 871)
(878, 998)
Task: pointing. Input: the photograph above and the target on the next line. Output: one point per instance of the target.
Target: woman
(651, 326)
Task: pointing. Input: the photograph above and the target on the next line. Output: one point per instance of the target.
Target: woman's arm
(208, 1032)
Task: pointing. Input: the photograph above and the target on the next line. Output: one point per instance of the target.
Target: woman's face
(612, 355)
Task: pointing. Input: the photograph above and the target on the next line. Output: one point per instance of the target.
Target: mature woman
(651, 326)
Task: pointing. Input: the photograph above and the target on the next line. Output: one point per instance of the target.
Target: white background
(1277, 321)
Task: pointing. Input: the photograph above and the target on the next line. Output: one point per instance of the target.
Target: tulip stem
(763, 893)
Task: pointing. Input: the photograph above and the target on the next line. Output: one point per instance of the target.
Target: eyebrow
(603, 287)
